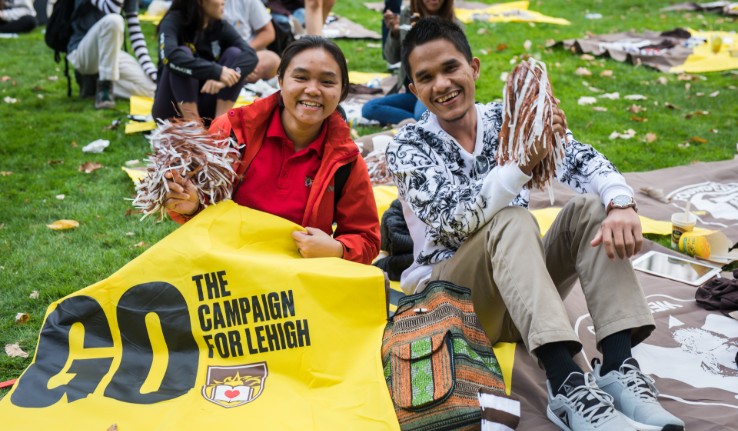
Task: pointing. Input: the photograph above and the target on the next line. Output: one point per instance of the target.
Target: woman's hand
(212, 86)
(182, 196)
(316, 243)
(229, 77)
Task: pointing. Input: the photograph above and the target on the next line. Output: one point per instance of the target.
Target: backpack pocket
(428, 365)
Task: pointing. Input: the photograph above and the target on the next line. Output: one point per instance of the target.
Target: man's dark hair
(316, 42)
(429, 29)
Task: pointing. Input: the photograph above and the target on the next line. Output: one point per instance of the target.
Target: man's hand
(620, 233)
(182, 196)
(316, 243)
(212, 86)
(392, 21)
(537, 152)
(229, 77)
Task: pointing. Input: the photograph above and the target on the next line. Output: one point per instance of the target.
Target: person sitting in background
(299, 161)
(17, 16)
(395, 106)
(290, 12)
(253, 22)
(95, 49)
(202, 62)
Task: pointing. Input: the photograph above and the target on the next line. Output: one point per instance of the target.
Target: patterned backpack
(439, 363)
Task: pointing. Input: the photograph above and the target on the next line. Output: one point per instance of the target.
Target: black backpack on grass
(59, 32)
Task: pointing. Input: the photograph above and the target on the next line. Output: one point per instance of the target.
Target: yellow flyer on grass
(219, 325)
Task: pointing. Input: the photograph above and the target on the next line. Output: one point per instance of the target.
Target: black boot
(86, 85)
(104, 98)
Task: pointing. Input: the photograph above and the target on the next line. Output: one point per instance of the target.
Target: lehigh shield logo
(235, 386)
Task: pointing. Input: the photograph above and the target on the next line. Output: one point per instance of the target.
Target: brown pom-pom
(187, 148)
(528, 104)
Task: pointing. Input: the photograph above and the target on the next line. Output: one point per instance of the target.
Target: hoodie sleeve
(178, 61)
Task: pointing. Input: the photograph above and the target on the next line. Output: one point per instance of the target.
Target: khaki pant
(99, 53)
(518, 281)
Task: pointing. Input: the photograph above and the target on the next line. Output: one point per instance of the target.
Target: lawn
(43, 131)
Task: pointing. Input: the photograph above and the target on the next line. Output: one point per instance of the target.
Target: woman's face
(432, 6)
(311, 89)
(212, 9)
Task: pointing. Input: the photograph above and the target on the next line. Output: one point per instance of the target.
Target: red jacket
(355, 214)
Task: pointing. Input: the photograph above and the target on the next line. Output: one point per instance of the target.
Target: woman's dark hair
(429, 29)
(446, 11)
(192, 16)
(315, 42)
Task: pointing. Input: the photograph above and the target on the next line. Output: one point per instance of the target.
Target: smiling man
(470, 226)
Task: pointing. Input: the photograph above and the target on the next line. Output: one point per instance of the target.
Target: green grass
(41, 137)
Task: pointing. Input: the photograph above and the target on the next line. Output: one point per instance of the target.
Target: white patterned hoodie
(445, 198)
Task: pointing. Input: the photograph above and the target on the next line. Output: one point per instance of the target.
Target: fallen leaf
(139, 244)
(594, 89)
(133, 162)
(638, 119)
(527, 44)
(599, 108)
(611, 96)
(503, 76)
(650, 137)
(73, 144)
(698, 140)
(34, 294)
(501, 47)
(53, 78)
(550, 42)
(5, 78)
(696, 114)
(683, 145)
(14, 351)
(22, 318)
(9, 99)
(586, 57)
(671, 106)
(662, 80)
(699, 94)
(55, 162)
(5, 173)
(606, 73)
(687, 86)
(129, 234)
(636, 97)
(587, 100)
(582, 71)
(89, 167)
(60, 197)
(63, 224)
(714, 94)
(483, 51)
(714, 131)
(636, 109)
(482, 31)
(625, 135)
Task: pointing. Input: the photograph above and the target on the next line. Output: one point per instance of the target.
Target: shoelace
(641, 384)
(594, 403)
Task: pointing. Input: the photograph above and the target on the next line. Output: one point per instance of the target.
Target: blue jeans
(393, 108)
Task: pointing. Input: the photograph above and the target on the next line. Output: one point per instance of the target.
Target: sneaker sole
(646, 427)
(555, 419)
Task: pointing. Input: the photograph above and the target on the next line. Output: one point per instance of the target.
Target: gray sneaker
(584, 407)
(104, 98)
(634, 395)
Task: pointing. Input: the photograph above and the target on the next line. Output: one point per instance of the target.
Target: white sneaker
(634, 395)
(584, 407)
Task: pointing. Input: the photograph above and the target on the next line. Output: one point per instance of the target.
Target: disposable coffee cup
(681, 222)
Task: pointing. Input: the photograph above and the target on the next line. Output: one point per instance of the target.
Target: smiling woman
(298, 159)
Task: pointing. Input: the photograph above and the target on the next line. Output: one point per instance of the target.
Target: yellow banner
(219, 325)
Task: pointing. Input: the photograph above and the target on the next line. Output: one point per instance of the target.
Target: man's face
(443, 79)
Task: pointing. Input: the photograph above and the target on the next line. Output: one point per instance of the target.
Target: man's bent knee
(112, 23)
